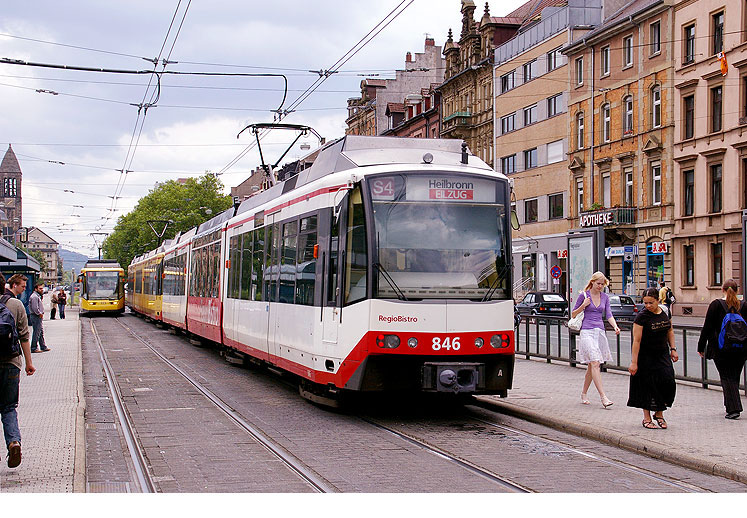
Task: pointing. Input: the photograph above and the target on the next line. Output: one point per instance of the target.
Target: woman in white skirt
(593, 348)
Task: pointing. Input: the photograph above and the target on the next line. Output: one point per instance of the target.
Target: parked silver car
(623, 308)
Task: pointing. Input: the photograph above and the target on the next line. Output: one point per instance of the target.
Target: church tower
(10, 195)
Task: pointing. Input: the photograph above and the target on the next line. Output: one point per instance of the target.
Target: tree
(186, 204)
(38, 255)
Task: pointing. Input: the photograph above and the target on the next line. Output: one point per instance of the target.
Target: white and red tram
(386, 265)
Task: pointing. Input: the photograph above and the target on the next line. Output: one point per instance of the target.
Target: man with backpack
(666, 297)
(13, 312)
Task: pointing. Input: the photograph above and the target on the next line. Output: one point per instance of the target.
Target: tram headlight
(387, 341)
(479, 342)
(412, 342)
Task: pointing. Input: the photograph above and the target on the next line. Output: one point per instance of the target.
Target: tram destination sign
(450, 189)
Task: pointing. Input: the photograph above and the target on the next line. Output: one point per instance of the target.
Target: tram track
(317, 483)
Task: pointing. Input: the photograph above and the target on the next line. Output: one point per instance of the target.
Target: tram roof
(354, 151)
(101, 263)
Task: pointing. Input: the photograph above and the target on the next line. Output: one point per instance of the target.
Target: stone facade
(710, 149)
(11, 202)
(621, 127)
(38, 240)
(367, 113)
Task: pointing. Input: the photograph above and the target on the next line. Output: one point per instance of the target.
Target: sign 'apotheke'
(596, 219)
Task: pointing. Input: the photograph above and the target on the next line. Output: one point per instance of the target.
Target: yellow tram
(102, 286)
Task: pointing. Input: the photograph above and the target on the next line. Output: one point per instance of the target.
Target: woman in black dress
(652, 385)
(729, 365)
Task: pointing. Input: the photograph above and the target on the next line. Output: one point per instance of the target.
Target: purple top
(593, 314)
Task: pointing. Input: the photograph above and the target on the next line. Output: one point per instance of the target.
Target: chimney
(430, 42)
(408, 57)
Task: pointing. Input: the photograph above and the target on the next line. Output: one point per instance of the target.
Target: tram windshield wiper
(392, 284)
(500, 275)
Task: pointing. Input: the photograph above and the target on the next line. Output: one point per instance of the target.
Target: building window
(689, 111)
(579, 196)
(605, 60)
(689, 44)
(530, 211)
(10, 187)
(628, 201)
(717, 28)
(530, 158)
(579, 71)
(628, 115)
(555, 208)
(508, 123)
(716, 108)
(656, 183)
(579, 130)
(656, 106)
(507, 81)
(554, 58)
(716, 264)
(628, 51)
(606, 190)
(605, 123)
(554, 151)
(716, 189)
(530, 115)
(688, 182)
(553, 105)
(689, 277)
(508, 164)
(744, 94)
(529, 70)
(655, 35)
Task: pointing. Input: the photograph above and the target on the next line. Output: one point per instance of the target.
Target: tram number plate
(446, 343)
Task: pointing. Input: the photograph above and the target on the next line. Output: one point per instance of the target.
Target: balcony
(608, 217)
(462, 118)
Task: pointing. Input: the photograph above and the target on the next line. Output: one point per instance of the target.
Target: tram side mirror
(515, 220)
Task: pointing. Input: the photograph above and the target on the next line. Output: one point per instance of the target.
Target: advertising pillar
(585, 256)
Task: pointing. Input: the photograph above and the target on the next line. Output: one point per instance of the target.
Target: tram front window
(102, 285)
(440, 237)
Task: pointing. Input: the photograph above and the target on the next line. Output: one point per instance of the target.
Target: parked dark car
(624, 309)
(543, 303)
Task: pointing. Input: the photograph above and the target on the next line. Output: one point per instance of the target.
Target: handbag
(574, 324)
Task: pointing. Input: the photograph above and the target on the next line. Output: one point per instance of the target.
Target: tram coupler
(452, 377)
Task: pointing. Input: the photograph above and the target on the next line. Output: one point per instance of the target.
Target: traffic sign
(556, 272)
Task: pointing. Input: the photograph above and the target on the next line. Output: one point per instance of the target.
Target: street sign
(556, 272)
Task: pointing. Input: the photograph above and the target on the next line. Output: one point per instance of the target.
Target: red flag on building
(724, 65)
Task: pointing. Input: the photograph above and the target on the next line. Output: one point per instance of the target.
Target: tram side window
(272, 236)
(215, 259)
(356, 250)
(147, 280)
(181, 265)
(334, 244)
(246, 266)
(288, 262)
(258, 236)
(233, 266)
(193, 275)
(138, 281)
(306, 263)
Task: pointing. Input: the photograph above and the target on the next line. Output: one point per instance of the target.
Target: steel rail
(312, 478)
(615, 463)
(139, 464)
(493, 477)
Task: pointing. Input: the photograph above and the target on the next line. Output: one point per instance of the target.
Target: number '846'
(446, 343)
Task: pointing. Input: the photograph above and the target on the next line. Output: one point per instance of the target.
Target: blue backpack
(10, 345)
(733, 335)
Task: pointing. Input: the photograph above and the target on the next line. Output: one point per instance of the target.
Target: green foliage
(38, 255)
(185, 204)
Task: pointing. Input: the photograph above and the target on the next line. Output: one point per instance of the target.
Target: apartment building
(710, 149)
(531, 143)
(622, 139)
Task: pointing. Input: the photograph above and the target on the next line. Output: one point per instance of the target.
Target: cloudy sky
(72, 130)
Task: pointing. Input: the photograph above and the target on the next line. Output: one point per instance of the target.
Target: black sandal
(661, 422)
(648, 424)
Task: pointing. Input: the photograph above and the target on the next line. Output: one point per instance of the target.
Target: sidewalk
(50, 415)
(698, 436)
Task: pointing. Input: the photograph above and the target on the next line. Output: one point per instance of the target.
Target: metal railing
(548, 337)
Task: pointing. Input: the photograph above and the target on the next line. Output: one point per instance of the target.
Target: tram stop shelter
(14, 260)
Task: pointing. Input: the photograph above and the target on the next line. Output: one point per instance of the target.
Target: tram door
(332, 296)
(273, 238)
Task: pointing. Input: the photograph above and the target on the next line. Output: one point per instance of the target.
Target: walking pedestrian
(61, 302)
(10, 369)
(53, 301)
(593, 348)
(666, 297)
(652, 385)
(728, 363)
(36, 318)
